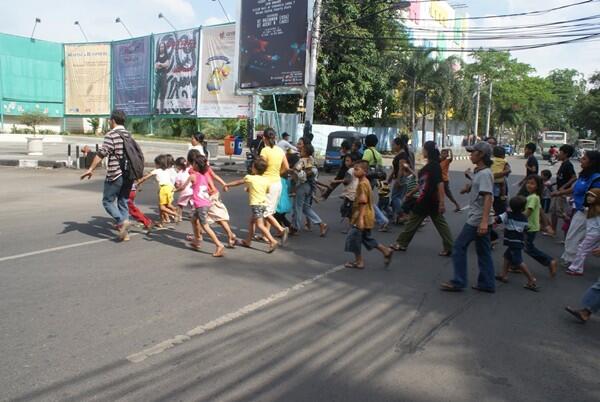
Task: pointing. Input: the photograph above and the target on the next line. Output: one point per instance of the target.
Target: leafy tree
(33, 119)
(586, 113)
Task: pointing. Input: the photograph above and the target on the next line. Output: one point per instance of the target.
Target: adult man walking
(116, 186)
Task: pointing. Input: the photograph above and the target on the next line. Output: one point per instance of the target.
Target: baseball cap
(483, 147)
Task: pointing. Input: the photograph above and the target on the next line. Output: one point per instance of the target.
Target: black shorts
(514, 256)
(346, 208)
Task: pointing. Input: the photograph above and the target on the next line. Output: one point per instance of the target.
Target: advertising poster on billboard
(217, 87)
(176, 72)
(131, 76)
(87, 79)
(272, 44)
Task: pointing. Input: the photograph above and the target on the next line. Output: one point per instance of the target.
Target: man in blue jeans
(477, 227)
(116, 188)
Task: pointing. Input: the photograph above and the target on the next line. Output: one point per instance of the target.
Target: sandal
(244, 243)
(397, 247)
(195, 245)
(387, 259)
(577, 314)
(573, 273)
(515, 270)
(220, 252)
(232, 242)
(449, 287)
(324, 230)
(532, 286)
(501, 279)
(445, 253)
(272, 248)
(353, 265)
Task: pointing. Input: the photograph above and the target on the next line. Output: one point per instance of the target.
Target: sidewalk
(14, 153)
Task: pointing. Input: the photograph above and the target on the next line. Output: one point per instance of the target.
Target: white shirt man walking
(116, 187)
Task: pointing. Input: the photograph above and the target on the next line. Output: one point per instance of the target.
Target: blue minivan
(334, 144)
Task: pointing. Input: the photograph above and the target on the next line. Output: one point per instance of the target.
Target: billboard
(272, 45)
(176, 72)
(217, 87)
(31, 76)
(131, 76)
(87, 79)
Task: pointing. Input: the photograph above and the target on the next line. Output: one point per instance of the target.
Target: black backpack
(132, 162)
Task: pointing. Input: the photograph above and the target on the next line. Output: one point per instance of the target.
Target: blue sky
(97, 19)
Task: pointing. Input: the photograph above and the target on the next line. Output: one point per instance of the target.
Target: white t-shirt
(198, 148)
(181, 178)
(163, 177)
(350, 189)
(173, 172)
(286, 146)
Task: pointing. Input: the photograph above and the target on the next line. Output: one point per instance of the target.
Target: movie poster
(217, 87)
(273, 44)
(131, 76)
(87, 79)
(176, 72)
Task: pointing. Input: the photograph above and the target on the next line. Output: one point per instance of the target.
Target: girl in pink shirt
(202, 187)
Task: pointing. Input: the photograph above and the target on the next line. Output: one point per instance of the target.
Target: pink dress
(185, 196)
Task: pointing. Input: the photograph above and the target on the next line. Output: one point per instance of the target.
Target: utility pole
(489, 110)
(476, 128)
(312, 72)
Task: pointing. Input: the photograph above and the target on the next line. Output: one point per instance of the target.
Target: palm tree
(417, 70)
(447, 94)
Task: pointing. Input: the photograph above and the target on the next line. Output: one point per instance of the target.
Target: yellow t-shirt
(258, 186)
(274, 157)
(498, 165)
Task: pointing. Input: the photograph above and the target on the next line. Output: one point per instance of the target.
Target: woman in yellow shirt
(276, 165)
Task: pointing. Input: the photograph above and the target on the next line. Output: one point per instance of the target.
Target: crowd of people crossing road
(284, 188)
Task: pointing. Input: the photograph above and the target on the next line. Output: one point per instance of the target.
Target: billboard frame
(275, 90)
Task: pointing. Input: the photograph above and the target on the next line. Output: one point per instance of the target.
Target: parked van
(334, 144)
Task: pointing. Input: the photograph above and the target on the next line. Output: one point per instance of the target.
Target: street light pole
(37, 21)
(477, 108)
(81, 28)
(489, 110)
(120, 21)
(223, 8)
(312, 72)
(161, 15)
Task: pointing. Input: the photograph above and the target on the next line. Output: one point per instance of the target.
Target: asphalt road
(85, 318)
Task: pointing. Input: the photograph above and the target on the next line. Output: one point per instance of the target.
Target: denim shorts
(514, 256)
(201, 214)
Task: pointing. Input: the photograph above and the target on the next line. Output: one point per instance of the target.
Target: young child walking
(592, 233)
(185, 194)
(257, 187)
(348, 196)
(515, 227)
(446, 158)
(165, 191)
(363, 221)
(535, 187)
(547, 192)
(135, 212)
(201, 189)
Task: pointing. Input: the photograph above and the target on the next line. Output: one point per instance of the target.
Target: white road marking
(59, 248)
(227, 318)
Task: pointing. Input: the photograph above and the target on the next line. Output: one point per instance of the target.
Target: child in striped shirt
(515, 227)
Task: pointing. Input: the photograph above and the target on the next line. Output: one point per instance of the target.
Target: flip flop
(576, 314)
(219, 253)
(449, 287)
(243, 243)
(573, 273)
(397, 247)
(353, 265)
(532, 286)
(501, 279)
(515, 271)
(272, 248)
(445, 253)
(387, 259)
(233, 242)
(325, 230)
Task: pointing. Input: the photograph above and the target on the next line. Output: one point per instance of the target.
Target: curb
(33, 163)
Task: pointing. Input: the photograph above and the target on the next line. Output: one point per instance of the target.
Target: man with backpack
(125, 165)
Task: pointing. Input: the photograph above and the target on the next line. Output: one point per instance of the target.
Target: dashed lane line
(227, 318)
